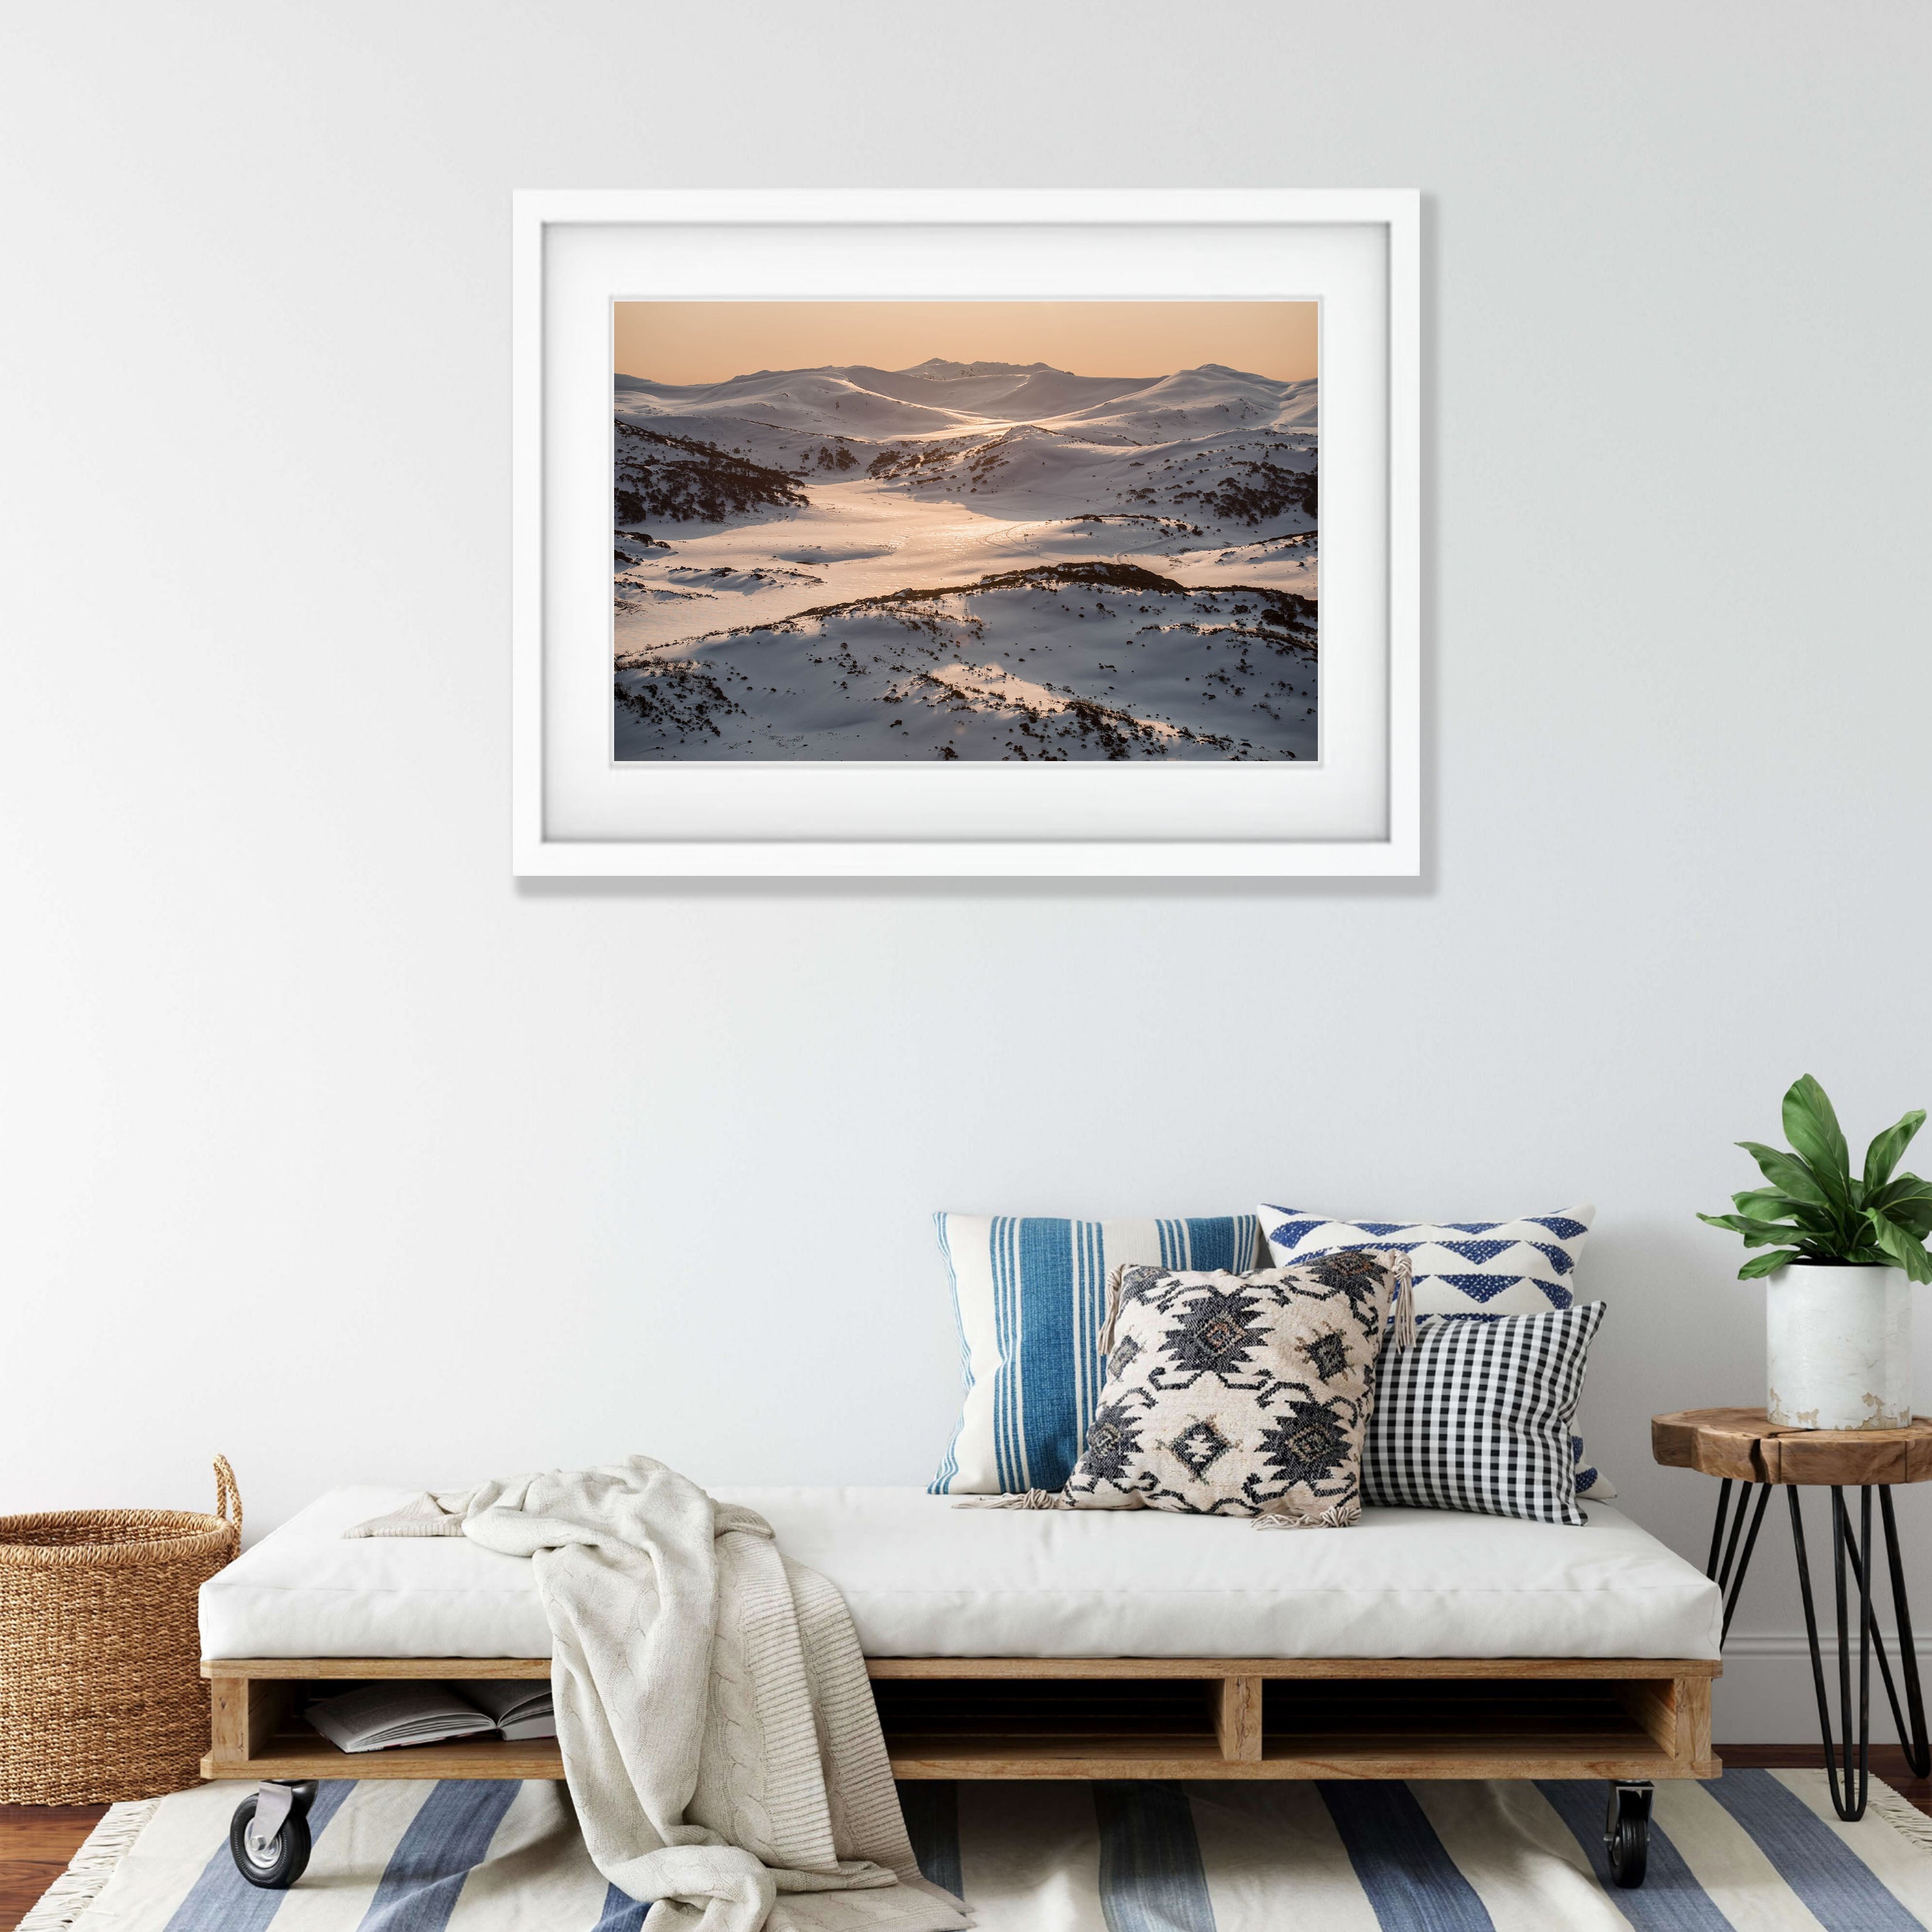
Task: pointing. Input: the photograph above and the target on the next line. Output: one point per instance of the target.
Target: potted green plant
(1842, 1251)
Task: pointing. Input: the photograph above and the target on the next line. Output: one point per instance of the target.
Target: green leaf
(1887, 1148)
(1786, 1173)
(1899, 1249)
(1755, 1233)
(1903, 1190)
(1764, 1264)
(1914, 1216)
(1733, 1223)
(1906, 1200)
(1768, 1204)
(1811, 1126)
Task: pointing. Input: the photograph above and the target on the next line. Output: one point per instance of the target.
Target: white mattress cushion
(925, 1578)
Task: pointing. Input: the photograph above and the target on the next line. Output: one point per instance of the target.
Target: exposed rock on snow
(683, 481)
(1091, 660)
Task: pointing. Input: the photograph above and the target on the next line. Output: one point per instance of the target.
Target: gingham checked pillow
(1482, 1269)
(1475, 1415)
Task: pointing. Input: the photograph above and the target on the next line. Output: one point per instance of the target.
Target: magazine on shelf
(381, 1716)
(521, 1708)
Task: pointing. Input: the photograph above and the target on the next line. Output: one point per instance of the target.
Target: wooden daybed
(1631, 1719)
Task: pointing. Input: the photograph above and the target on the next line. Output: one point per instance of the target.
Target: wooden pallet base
(1111, 1717)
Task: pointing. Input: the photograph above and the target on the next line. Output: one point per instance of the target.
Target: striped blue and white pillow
(1030, 1294)
(1475, 1415)
(1483, 1268)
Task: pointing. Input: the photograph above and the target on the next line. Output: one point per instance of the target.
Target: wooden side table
(1742, 1445)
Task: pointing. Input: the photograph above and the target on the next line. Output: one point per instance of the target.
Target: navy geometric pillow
(1526, 1267)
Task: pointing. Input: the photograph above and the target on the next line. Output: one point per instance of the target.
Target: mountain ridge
(629, 380)
(937, 398)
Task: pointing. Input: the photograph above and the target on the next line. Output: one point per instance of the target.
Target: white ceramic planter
(1838, 1347)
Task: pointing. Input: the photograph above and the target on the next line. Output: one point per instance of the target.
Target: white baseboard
(1766, 1696)
(1736, 1648)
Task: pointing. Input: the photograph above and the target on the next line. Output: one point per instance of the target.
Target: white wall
(323, 1143)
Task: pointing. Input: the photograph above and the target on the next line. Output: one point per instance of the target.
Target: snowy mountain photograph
(826, 547)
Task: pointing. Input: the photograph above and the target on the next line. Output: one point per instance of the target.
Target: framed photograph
(976, 533)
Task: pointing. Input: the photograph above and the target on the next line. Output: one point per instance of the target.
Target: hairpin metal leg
(1717, 1529)
(1729, 1575)
(1736, 1583)
(1854, 1760)
(1909, 1719)
(1918, 1751)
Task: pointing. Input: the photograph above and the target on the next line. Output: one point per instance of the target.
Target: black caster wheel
(277, 1863)
(1627, 1834)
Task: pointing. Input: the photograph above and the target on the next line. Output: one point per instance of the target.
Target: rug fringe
(91, 1867)
(1900, 1814)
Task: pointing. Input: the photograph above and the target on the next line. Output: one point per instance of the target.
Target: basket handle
(227, 1494)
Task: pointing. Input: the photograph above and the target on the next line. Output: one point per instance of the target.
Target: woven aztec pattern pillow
(1241, 1395)
(1030, 1294)
(1476, 1414)
(1523, 1267)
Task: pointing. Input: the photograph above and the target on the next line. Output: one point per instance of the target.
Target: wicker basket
(101, 1696)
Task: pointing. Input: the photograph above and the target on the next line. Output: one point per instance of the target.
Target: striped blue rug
(1757, 1852)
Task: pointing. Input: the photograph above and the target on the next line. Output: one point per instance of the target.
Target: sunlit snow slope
(966, 560)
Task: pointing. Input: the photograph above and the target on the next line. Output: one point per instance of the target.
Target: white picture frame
(1356, 813)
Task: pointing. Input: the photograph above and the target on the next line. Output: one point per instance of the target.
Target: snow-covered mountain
(834, 399)
(1010, 391)
(1206, 400)
(937, 397)
(980, 559)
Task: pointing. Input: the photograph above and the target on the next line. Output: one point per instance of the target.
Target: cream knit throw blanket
(717, 1725)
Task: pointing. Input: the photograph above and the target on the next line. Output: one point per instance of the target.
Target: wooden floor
(36, 1841)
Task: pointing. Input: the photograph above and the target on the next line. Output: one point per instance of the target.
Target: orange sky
(710, 341)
